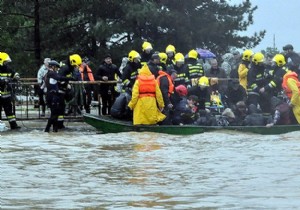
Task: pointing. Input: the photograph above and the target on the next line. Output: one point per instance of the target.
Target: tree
(34, 29)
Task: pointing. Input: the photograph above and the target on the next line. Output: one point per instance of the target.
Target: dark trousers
(6, 104)
(168, 119)
(87, 98)
(41, 100)
(108, 96)
(56, 104)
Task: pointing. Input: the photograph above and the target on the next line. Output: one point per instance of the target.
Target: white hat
(47, 60)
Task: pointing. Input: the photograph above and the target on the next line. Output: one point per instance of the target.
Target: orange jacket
(171, 85)
(147, 85)
(287, 90)
(89, 72)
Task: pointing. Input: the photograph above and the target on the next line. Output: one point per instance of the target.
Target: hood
(145, 71)
(228, 113)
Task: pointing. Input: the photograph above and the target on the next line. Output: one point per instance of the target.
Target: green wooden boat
(107, 124)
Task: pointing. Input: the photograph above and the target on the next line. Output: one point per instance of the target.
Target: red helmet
(181, 90)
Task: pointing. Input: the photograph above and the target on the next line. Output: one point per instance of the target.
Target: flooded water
(80, 169)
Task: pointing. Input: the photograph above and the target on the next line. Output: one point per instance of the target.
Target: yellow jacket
(145, 110)
(295, 99)
(243, 72)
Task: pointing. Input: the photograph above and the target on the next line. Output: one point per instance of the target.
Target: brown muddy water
(80, 169)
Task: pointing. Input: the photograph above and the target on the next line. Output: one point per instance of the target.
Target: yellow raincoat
(243, 72)
(145, 110)
(295, 97)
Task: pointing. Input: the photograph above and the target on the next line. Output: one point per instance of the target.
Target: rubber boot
(55, 126)
(60, 125)
(48, 126)
(43, 111)
(14, 125)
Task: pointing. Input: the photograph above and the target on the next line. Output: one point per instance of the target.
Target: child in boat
(186, 108)
(227, 118)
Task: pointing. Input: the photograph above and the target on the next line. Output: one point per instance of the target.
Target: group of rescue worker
(261, 90)
(171, 88)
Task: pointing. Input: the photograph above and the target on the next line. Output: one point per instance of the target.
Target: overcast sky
(278, 17)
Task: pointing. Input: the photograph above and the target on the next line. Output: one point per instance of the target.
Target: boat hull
(107, 124)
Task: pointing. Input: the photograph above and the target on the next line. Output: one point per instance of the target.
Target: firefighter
(69, 70)
(7, 76)
(54, 99)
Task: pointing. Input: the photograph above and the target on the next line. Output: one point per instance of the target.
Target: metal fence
(26, 101)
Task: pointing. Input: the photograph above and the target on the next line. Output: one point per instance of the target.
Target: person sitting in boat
(216, 104)
(205, 118)
(147, 101)
(234, 93)
(240, 112)
(120, 109)
(227, 118)
(185, 109)
(255, 117)
(202, 92)
(281, 112)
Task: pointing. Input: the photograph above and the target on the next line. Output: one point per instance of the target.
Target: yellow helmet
(247, 55)
(4, 57)
(75, 60)
(147, 46)
(170, 49)
(193, 54)
(163, 57)
(203, 81)
(279, 60)
(132, 55)
(179, 57)
(258, 58)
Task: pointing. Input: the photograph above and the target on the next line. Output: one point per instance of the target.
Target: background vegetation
(34, 29)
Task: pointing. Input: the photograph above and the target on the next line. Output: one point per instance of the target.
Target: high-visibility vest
(171, 85)
(147, 85)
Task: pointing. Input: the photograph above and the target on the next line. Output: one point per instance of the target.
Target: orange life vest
(147, 86)
(287, 90)
(89, 72)
(171, 85)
